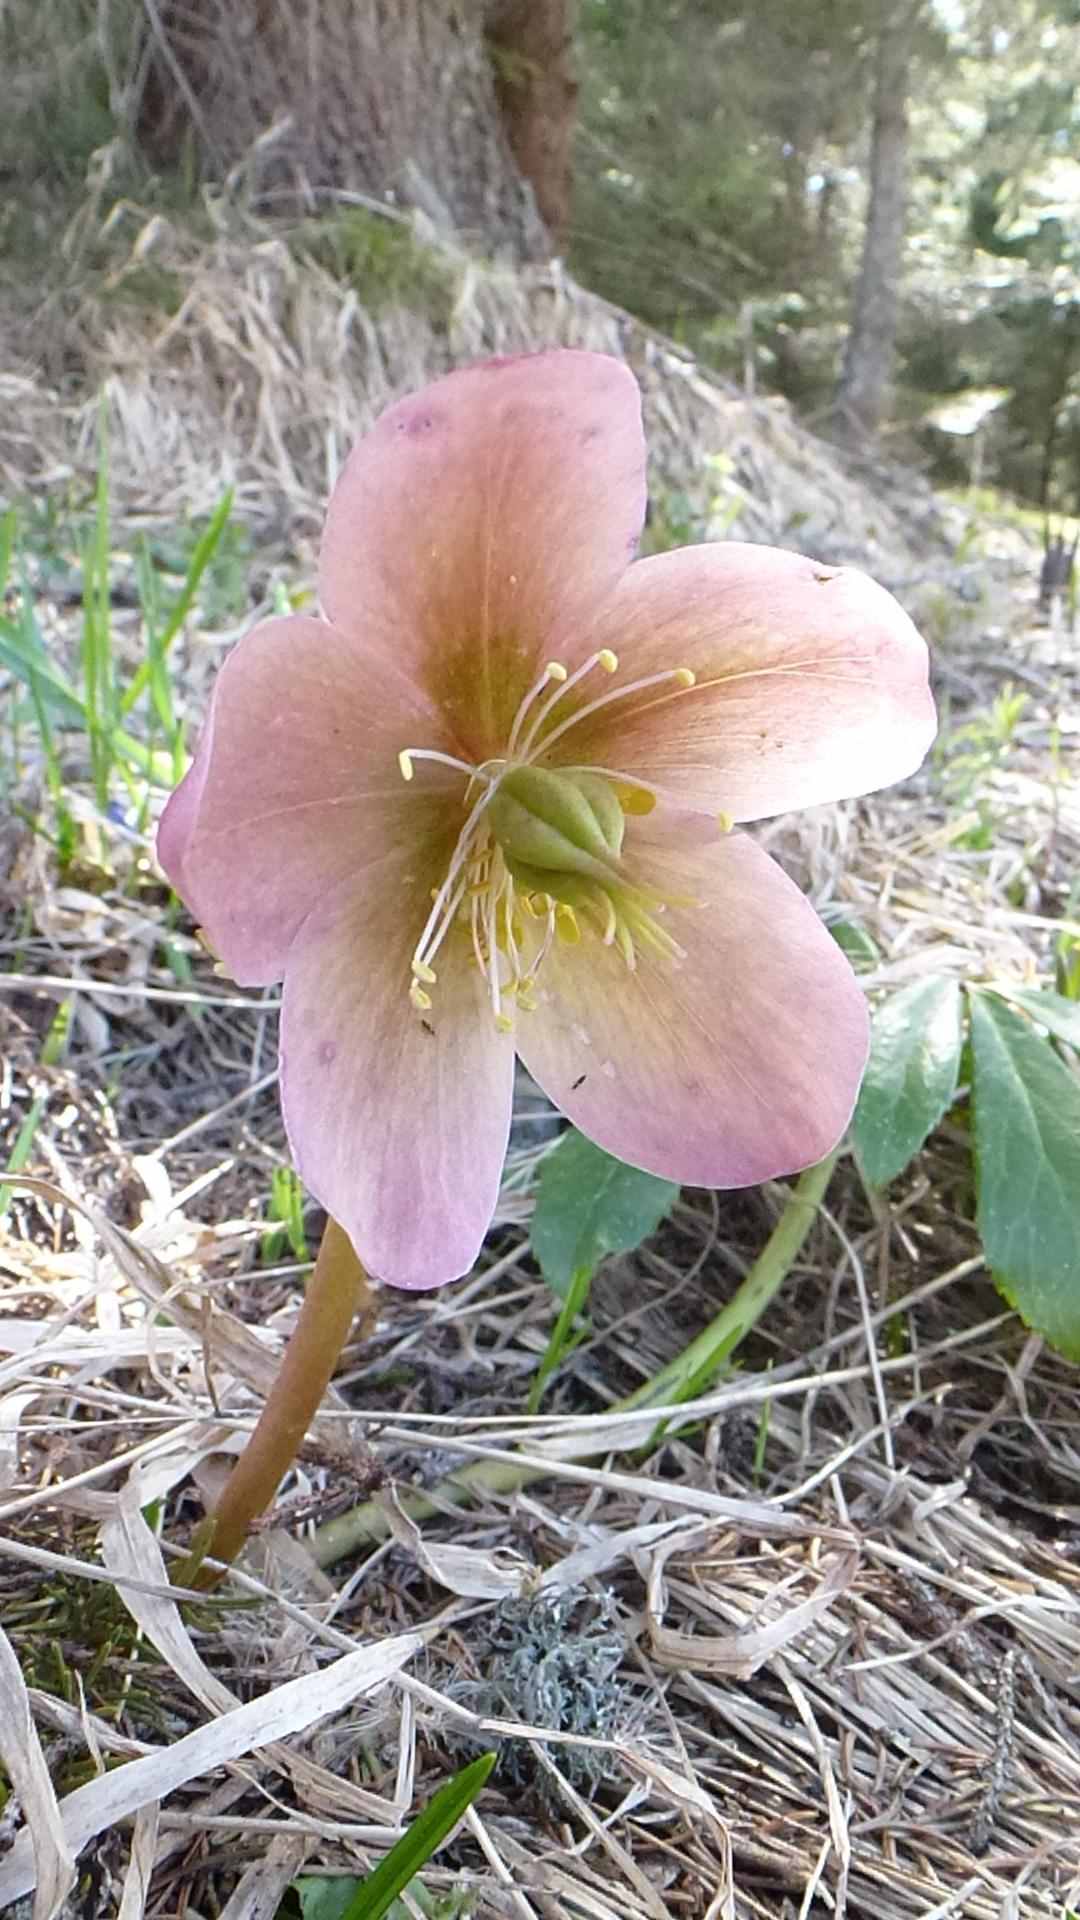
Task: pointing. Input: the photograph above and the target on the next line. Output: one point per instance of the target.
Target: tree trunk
(532, 51)
(868, 356)
(395, 99)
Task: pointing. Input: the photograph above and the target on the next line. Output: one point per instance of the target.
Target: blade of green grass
(373, 1899)
(23, 653)
(20, 1152)
(203, 553)
(99, 680)
(9, 527)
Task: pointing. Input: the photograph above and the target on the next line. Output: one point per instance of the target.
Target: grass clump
(381, 256)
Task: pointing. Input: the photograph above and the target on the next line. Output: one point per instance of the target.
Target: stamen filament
(441, 932)
(605, 658)
(458, 859)
(490, 932)
(683, 675)
(553, 671)
(409, 754)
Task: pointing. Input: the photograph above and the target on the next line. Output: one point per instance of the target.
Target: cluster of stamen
(515, 881)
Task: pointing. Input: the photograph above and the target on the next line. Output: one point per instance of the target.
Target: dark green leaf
(1059, 1016)
(325, 1897)
(1027, 1150)
(911, 1077)
(589, 1204)
(854, 940)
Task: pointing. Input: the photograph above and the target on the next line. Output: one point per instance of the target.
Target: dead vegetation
(809, 1644)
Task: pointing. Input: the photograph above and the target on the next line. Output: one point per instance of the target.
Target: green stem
(335, 1292)
(682, 1379)
(686, 1376)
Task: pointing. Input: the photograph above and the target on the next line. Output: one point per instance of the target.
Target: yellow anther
(504, 1023)
(421, 1000)
(404, 761)
(555, 670)
(686, 676)
(725, 822)
(527, 1002)
(542, 903)
(424, 972)
(608, 660)
(635, 800)
(566, 925)
(525, 902)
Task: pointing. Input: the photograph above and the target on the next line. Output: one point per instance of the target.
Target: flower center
(539, 856)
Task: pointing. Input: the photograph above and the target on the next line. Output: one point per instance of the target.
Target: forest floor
(809, 1643)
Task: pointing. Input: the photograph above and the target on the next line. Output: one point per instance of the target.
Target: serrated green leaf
(1059, 1016)
(911, 1077)
(589, 1204)
(1027, 1156)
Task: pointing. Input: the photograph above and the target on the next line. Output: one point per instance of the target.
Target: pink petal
(739, 1064)
(296, 785)
(478, 526)
(812, 682)
(181, 812)
(398, 1122)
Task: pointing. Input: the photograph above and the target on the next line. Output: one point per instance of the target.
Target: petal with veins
(296, 784)
(397, 1123)
(738, 1065)
(811, 682)
(478, 527)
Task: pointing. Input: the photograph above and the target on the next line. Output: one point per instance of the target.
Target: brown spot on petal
(327, 1052)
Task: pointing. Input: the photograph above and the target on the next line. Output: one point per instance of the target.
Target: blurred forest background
(869, 206)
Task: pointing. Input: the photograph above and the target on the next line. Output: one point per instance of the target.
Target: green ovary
(561, 836)
(558, 822)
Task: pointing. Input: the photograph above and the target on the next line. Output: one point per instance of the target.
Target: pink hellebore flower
(483, 804)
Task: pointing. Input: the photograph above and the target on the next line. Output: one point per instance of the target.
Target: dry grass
(829, 1616)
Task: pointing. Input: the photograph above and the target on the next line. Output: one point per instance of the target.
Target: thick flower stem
(336, 1291)
(683, 1378)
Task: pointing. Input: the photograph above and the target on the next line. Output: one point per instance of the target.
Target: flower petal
(479, 525)
(295, 784)
(739, 1064)
(398, 1122)
(811, 682)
